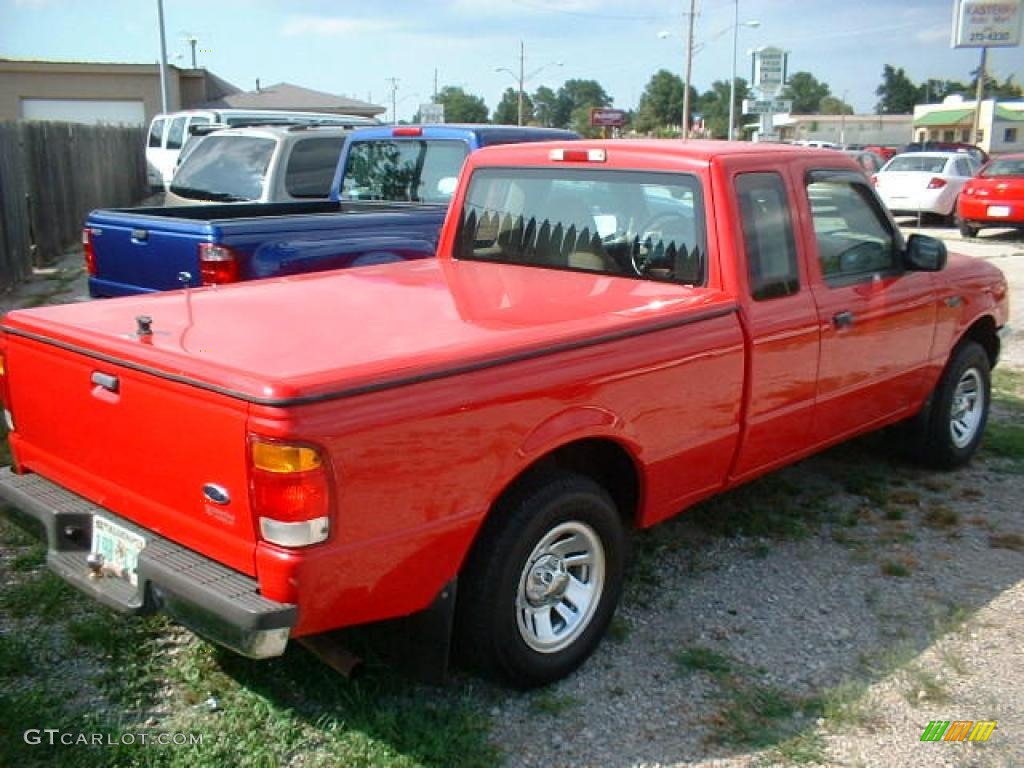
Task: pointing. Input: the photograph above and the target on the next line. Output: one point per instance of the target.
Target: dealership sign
(607, 118)
(769, 69)
(987, 23)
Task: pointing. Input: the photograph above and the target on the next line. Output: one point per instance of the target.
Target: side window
(176, 133)
(156, 133)
(853, 235)
(767, 236)
(311, 167)
(963, 167)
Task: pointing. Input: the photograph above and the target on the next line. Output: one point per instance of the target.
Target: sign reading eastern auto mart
(607, 118)
(987, 23)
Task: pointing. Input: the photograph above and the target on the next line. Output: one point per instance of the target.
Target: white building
(1000, 127)
(885, 130)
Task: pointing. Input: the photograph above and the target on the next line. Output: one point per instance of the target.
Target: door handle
(842, 319)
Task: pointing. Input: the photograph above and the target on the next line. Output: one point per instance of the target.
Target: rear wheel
(958, 412)
(543, 580)
(966, 229)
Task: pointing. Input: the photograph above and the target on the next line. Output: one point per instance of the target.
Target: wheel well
(604, 461)
(983, 331)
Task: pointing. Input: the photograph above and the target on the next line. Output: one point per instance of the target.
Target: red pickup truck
(612, 332)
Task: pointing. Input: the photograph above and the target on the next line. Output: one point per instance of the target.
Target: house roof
(1010, 115)
(293, 97)
(945, 117)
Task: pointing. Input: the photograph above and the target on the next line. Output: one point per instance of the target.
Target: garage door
(85, 111)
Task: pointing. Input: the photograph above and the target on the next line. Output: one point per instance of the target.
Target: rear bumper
(212, 600)
(979, 209)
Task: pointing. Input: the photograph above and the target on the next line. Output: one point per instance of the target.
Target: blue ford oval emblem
(218, 494)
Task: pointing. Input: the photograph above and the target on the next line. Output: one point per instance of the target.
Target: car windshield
(921, 163)
(1014, 167)
(224, 169)
(412, 170)
(631, 224)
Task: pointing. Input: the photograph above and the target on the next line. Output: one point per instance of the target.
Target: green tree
(832, 105)
(576, 95)
(545, 104)
(897, 93)
(661, 103)
(933, 90)
(507, 111)
(461, 107)
(806, 93)
(713, 106)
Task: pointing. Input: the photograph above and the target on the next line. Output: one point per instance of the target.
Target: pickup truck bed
(139, 250)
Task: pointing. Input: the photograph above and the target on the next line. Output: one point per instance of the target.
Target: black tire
(966, 230)
(938, 441)
(491, 624)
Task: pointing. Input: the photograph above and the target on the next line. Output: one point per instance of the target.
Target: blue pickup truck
(388, 201)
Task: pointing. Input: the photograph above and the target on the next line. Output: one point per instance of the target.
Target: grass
(941, 516)
(701, 659)
(95, 671)
(899, 569)
(757, 716)
(922, 686)
(1004, 440)
(807, 747)
(844, 705)
(1013, 541)
(550, 703)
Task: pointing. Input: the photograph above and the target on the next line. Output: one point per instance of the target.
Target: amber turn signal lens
(284, 458)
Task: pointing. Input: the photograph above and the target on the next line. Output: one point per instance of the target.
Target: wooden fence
(51, 176)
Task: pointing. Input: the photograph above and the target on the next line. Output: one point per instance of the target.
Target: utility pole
(979, 95)
(689, 69)
(435, 85)
(394, 99)
(192, 40)
(163, 58)
(522, 77)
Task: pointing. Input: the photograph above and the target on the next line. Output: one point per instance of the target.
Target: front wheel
(958, 410)
(542, 581)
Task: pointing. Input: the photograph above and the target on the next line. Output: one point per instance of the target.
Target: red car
(993, 198)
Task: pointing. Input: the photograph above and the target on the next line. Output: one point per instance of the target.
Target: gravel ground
(822, 615)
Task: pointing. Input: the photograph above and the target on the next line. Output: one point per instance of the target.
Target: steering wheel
(652, 233)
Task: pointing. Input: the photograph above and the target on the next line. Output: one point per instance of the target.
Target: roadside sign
(769, 69)
(431, 113)
(608, 118)
(987, 23)
(766, 106)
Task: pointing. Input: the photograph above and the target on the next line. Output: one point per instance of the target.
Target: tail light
(89, 252)
(936, 183)
(967, 191)
(290, 492)
(410, 130)
(218, 264)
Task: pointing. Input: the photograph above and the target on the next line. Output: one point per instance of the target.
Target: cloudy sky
(351, 47)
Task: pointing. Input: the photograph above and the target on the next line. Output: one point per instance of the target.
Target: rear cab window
(311, 166)
(420, 170)
(225, 169)
(855, 239)
(772, 267)
(634, 224)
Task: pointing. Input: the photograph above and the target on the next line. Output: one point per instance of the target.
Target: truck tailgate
(145, 253)
(139, 445)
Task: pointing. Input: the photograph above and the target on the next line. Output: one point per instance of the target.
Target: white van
(169, 132)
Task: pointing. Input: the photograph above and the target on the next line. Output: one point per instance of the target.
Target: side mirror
(924, 254)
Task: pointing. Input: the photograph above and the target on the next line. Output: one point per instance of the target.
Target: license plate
(999, 210)
(119, 547)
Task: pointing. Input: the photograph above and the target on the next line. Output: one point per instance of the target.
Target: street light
(732, 81)
(521, 78)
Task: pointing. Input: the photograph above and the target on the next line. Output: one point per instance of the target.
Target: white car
(268, 164)
(924, 182)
